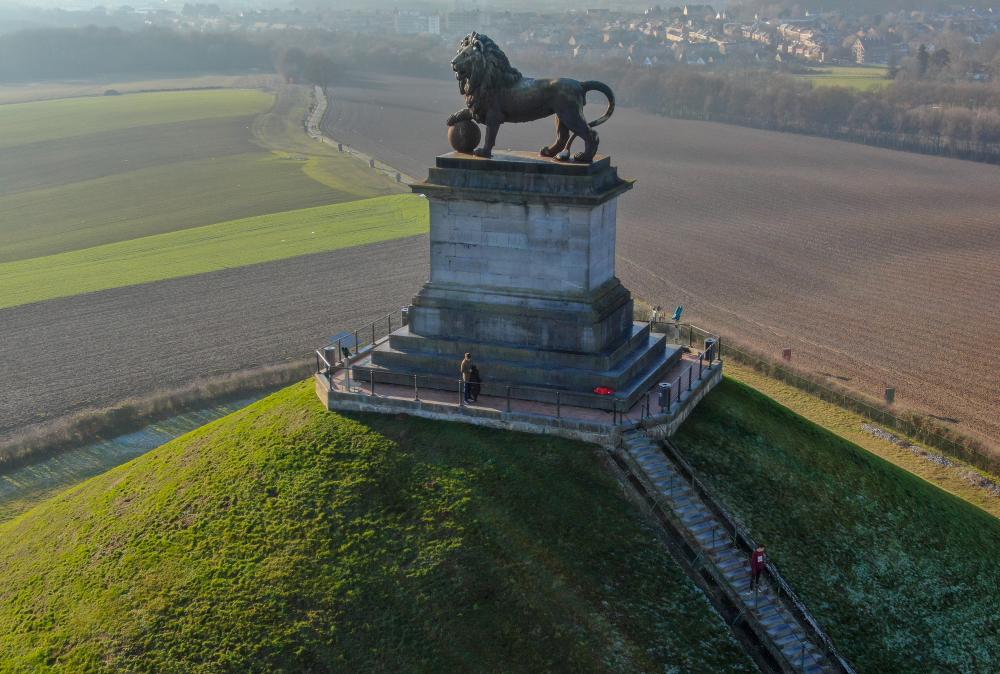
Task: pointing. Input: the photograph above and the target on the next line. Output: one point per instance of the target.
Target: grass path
(198, 250)
(848, 425)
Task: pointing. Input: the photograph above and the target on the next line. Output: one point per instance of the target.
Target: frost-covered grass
(284, 538)
(904, 576)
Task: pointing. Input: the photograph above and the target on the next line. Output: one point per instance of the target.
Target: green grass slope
(284, 538)
(124, 167)
(905, 577)
(49, 120)
(224, 245)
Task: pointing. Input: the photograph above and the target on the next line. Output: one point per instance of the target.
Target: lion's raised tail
(594, 85)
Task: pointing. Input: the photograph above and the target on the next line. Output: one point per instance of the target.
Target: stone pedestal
(523, 275)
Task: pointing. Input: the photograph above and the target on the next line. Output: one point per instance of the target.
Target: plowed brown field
(93, 350)
(876, 267)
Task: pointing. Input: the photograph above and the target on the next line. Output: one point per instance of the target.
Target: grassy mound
(905, 577)
(286, 538)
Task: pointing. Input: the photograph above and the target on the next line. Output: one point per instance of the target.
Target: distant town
(699, 35)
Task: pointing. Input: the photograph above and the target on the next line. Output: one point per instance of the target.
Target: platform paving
(683, 373)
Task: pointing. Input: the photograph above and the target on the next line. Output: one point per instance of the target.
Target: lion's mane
(491, 73)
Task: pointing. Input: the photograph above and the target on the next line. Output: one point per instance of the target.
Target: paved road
(66, 355)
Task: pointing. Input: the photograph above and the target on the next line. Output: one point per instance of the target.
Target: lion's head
(481, 66)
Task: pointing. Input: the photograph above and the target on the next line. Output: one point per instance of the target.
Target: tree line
(311, 57)
(54, 53)
(961, 120)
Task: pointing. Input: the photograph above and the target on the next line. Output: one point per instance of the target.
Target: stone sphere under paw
(464, 136)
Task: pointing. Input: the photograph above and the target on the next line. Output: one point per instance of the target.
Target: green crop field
(285, 538)
(905, 577)
(224, 245)
(113, 168)
(23, 123)
(852, 77)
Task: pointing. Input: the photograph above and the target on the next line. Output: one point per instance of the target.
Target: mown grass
(22, 123)
(224, 245)
(905, 577)
(284, 538)
(958, 478)
(93, 188)
(851, 77)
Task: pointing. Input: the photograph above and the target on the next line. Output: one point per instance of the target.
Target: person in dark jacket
(475, 383)
(466, 370)
(758, 560)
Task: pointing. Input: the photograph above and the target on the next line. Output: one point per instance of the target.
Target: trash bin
(404, 314)
(663, 396)
(710, 343)
(330, 354)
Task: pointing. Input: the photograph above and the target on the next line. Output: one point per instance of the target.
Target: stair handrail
(741, 536)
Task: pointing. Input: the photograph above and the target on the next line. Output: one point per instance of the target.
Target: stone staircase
(779, 629)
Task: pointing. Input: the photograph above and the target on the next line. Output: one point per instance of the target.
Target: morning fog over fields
(196, 197)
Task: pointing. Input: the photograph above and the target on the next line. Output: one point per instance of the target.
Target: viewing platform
(348, 384)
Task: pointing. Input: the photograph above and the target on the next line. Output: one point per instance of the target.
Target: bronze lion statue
(496, 92)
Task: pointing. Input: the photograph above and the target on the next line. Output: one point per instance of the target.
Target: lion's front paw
(482, 152)
(546, 151)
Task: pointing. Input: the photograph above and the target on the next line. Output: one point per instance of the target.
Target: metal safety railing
(362, 340)
(741, 538)
(684, 382)
(501, 396)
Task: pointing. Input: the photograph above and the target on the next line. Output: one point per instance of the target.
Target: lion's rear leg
(578, 125)
(562, 135)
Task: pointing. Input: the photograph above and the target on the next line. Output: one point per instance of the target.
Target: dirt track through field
(876, 267)
(95, 350)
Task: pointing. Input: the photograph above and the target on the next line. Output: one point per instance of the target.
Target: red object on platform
(604, 391)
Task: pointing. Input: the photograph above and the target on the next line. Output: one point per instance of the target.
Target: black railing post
(461, 393)
(357, 343)
(373, 334)
(372, 381)
(416, 391)
(700, 358)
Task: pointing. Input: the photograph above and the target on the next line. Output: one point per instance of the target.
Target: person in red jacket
(758, 560)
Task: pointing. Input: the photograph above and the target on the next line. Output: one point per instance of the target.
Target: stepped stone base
(630, 369)
(522, 275)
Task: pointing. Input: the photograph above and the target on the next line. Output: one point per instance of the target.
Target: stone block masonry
(522, 273)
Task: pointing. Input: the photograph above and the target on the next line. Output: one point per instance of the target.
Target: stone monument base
(630, 369)
(522, 253)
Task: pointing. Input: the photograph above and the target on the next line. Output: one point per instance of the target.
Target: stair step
(701, 526)
(781, 630)
(674, 491)
(681, 501)
(731, 559)
(790, 641)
